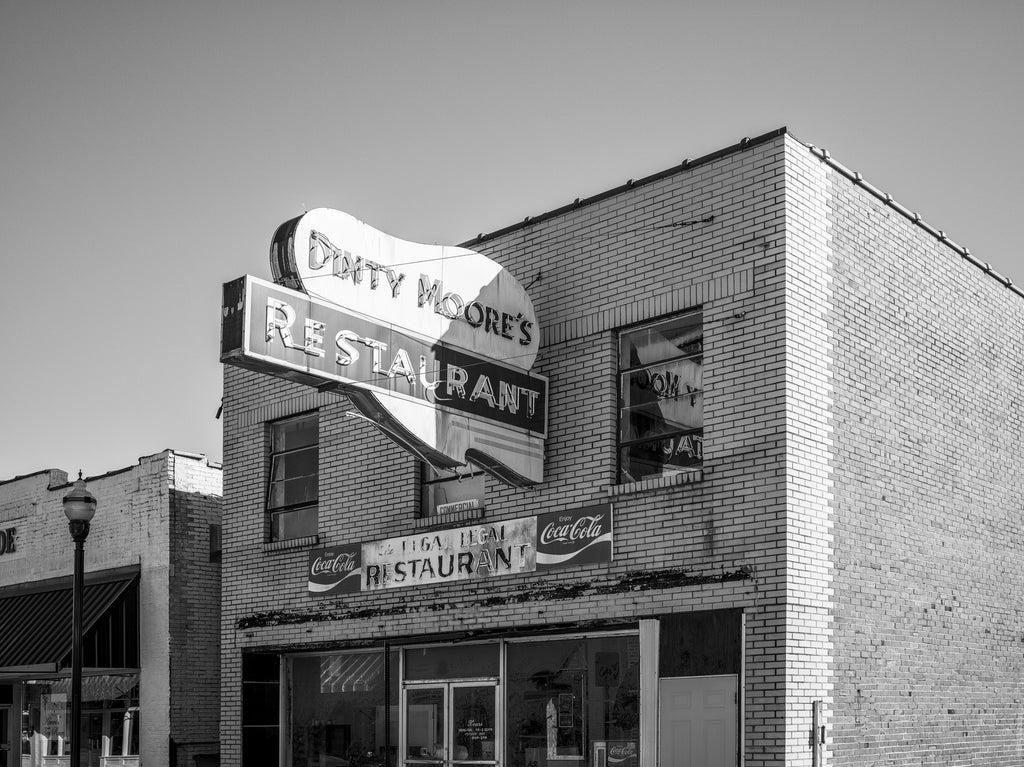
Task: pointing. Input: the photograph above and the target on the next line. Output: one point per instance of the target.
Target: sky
(148, 151)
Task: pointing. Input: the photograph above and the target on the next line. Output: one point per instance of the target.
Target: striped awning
(35, 625)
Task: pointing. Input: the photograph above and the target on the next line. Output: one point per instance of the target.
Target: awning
(35, 624)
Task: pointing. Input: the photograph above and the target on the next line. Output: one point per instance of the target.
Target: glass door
(452, 724)
(426, 715)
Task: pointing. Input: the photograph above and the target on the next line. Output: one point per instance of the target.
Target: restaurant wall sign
(433, 344)
(507, 547)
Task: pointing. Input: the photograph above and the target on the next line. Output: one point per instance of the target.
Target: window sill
(644, 485)
(291, 543)
(447, 519)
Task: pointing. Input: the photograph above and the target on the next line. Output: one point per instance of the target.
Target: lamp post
(79, 508)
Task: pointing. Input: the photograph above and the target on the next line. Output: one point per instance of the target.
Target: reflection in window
(294, 468)
(425, 725)
(445, 488)
(661, 405)
(110, 709)
(567, 700)
(336, 713)
(473, 723)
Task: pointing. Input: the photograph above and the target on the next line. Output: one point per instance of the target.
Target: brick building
(151, 616)
(795, 408)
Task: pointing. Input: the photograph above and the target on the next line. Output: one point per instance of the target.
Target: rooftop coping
(742, 145)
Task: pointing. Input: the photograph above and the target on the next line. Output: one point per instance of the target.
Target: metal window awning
(35, 621)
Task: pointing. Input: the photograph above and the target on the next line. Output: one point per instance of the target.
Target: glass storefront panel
(425, 726)
(569, 702)
(336, 710)
(110, 714)
(452, 662)
(473, 723)
(548, 702)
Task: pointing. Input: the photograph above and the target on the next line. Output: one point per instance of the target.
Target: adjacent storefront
(110, 720)
(34, 681)
(149, 689)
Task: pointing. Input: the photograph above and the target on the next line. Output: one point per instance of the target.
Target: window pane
(298, 463)
(259, 745)
(291, 492)
(293, 480)
(645, 420)
(662, 457)
(424, 732)
(45, 707)
(665, 340)
(451, 491)
(473, 723)
(294, 433)
(661, 406)
(471, 660)
(136, 726)
(336, 709)
(295, 523)
(564, 697)
(260, 667)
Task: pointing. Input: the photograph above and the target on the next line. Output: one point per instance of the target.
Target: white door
(697, 721)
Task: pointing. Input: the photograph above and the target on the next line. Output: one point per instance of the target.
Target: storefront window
(261, 708)
(661, 407)
(457, 661)
(336, 710)
(109, 721)
(573, 702)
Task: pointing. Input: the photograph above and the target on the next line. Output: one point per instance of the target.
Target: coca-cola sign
(616, 753)
(335, 570)
(580, 536)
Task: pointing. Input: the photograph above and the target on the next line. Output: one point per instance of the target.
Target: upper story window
(442, 491)
(661, 413)
(294, 468)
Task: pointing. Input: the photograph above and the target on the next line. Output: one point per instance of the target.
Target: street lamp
(79, 507)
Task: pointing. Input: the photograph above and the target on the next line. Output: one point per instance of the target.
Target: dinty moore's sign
(510, 547)
(432, 344)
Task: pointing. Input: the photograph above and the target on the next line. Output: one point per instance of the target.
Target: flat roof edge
(581, 202)
(887, 199)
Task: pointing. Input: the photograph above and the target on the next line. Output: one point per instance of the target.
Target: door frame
(448, 685)
(737, 718)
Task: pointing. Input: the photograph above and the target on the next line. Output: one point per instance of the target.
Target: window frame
(271, 511)
(425, 471)
(620, 373)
